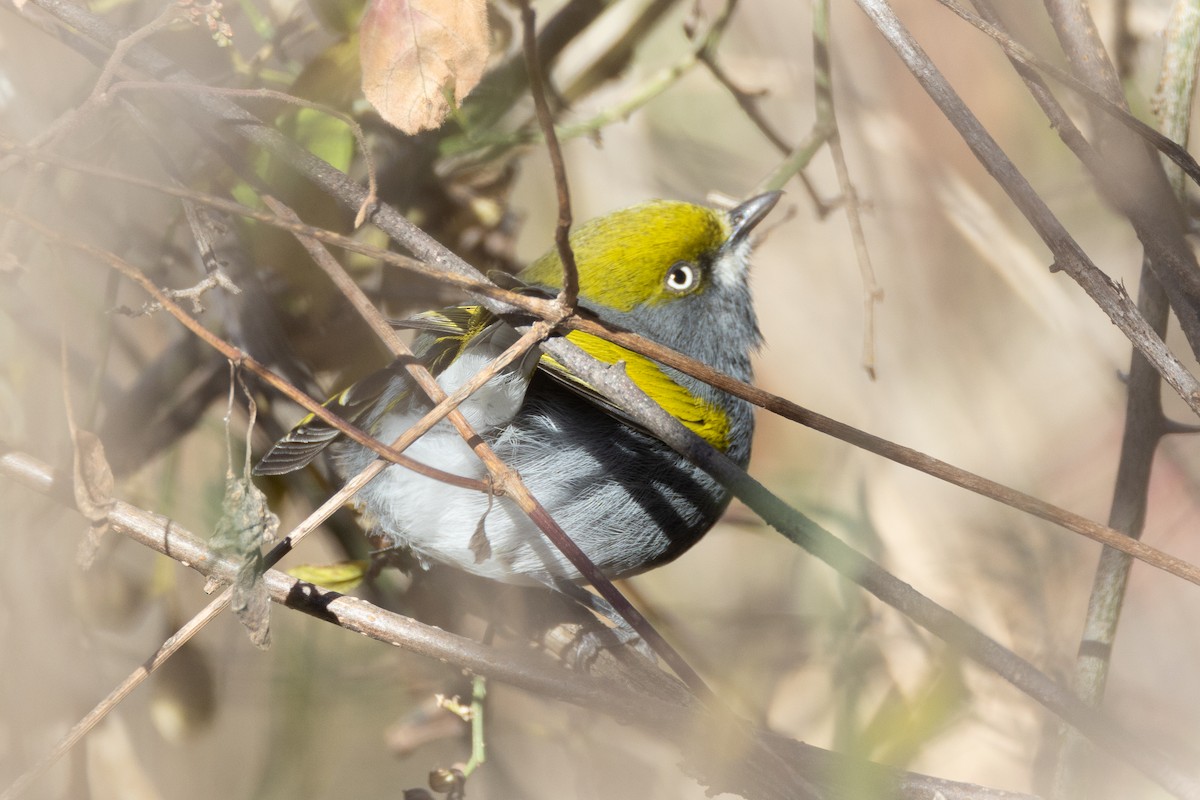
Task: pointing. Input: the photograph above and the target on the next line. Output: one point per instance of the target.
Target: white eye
(682, 277)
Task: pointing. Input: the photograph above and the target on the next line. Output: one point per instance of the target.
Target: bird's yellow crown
(612, 253)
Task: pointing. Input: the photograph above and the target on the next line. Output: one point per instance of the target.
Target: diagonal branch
(562, 230)
(1068, 255)
(785, 408)
(671, 712)
(928, 614)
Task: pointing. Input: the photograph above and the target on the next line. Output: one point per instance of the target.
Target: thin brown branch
(1112, 299)
(1022, 55)
(785, 408)
(503, 477)
(671, 712)
(562, 231)
(827, 111)
(240, 358)
(606, 379)
(748, 102)
(360, 138)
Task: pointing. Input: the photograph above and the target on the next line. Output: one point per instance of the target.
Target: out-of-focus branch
(1125, 42)
(1129, 175)
(1145, 423)
(778, 405)
(611, 63)
(1068, 255)
(614, 384)
(608, 379)
(671, 712)
(826, 110)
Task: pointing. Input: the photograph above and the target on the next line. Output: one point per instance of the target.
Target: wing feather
(447, 332)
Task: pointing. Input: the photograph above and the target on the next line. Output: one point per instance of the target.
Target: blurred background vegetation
(984, 358)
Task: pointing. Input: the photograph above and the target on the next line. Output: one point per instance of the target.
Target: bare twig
(504, 477)
(1068, 255)
(114, 65)
(423, 247)
(311, 523)
(1116, 110)
(826, 110)
(748, 102)
(671, 713)
(1145, 423)
(372, 196)
(785, 408)
(1126, 173)
(562, 230)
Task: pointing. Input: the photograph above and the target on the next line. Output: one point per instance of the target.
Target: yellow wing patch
(706, 420)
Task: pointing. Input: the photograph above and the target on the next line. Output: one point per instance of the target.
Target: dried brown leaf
(418, 54)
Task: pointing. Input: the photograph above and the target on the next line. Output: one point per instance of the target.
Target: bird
(674, 272)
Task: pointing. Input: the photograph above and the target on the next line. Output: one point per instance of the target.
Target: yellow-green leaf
(341, 577)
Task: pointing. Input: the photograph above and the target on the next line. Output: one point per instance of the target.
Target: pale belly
(625, 499)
